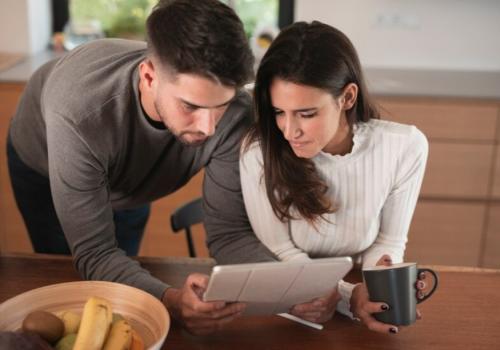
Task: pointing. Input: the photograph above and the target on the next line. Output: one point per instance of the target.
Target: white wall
(25, 25)
(427, 34)
(40, 20)
(14, 27)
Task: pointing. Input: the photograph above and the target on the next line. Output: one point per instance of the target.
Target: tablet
(274, 287)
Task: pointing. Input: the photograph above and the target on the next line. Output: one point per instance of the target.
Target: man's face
(190, 105)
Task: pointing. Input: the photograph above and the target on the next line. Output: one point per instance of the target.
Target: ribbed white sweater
(375, 188)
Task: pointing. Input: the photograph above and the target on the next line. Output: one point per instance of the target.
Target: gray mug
(395, 285)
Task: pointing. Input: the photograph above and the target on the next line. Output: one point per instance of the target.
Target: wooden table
(464, 313)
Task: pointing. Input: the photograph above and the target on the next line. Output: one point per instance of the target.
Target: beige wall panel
(446, 233)
(491, 256)
(455, 120)
(458, 170)
(496, 179)
(13, 235)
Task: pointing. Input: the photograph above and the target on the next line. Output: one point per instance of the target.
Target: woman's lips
(297, 144)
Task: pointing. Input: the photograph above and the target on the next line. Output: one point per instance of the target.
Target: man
(114, 125)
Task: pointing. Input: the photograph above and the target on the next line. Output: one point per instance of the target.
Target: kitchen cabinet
(446, 233)
(457, 216)
(496, 177)
(491, 256)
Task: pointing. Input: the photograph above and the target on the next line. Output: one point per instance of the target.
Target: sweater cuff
(154, 286)
(344, 305)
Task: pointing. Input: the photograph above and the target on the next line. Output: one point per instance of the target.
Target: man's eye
(189, 108)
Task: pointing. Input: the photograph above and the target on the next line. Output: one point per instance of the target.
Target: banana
(116, 317)
(94, 327)
(120, 336)
(137, 341)
(71, 321)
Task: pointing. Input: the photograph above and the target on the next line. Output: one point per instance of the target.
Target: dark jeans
(34, 200)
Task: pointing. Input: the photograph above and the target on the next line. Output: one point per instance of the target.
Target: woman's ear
(349, 96)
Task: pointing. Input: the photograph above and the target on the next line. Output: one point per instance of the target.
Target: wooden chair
(184, 217)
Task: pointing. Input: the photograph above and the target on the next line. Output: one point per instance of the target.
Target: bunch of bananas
(96, 329)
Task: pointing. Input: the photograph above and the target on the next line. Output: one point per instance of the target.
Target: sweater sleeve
(399, 206)
(80, 192)
(396, 214)
(268, 228)
(230, 238)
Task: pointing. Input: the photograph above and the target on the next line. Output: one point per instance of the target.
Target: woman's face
(310, 119)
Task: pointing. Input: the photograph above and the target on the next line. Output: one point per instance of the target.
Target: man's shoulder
(242, 102)
(104, 47)
(239, 114)
(91, 77)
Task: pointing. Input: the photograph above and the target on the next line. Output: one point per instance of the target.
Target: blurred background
(434, 64)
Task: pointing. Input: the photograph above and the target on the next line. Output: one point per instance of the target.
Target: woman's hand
(363, 309)
(318, 310)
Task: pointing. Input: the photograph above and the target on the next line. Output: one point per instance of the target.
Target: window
(256, 14)
(126, 18)
(115, 18)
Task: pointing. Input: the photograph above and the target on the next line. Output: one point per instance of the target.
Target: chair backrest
(184, 217)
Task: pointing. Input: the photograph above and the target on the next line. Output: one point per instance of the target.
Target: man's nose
(206, 122)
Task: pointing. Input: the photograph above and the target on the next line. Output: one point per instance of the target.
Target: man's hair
(203, 37)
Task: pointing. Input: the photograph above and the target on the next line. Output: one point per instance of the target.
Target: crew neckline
(361, 132)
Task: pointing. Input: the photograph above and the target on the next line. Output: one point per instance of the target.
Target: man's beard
(180, 135)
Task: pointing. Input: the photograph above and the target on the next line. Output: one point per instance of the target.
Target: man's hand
(197, 316)
(318, 310)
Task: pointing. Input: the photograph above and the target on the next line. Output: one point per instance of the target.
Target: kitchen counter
(433, 83)
(381, 81)
(21, 72)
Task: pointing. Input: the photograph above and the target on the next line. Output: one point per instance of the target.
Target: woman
(321, 174)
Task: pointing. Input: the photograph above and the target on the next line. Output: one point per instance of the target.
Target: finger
(207, 326)
(199, 280)
(377, 326)
(231, 310)
(420, 285)
(419, 315)
(384, 260)
(307, 315)
(373, 308)
(204, 311)
(308, 307)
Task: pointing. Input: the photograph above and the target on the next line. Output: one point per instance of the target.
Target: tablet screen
(274, 287)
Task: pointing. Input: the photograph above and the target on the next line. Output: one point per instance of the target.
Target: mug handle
(433, 289)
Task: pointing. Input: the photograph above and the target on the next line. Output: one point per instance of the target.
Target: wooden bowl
(147, 315)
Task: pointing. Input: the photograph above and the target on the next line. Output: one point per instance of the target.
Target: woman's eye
(278, 113)
(308, 115)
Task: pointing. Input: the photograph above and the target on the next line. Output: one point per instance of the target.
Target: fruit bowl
(145, 313)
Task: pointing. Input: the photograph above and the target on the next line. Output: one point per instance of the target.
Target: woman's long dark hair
(317, 55)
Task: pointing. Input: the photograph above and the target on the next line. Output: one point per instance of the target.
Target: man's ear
(148, 74)
(349, 96)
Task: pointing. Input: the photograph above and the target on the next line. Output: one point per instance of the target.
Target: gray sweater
(80, 123)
